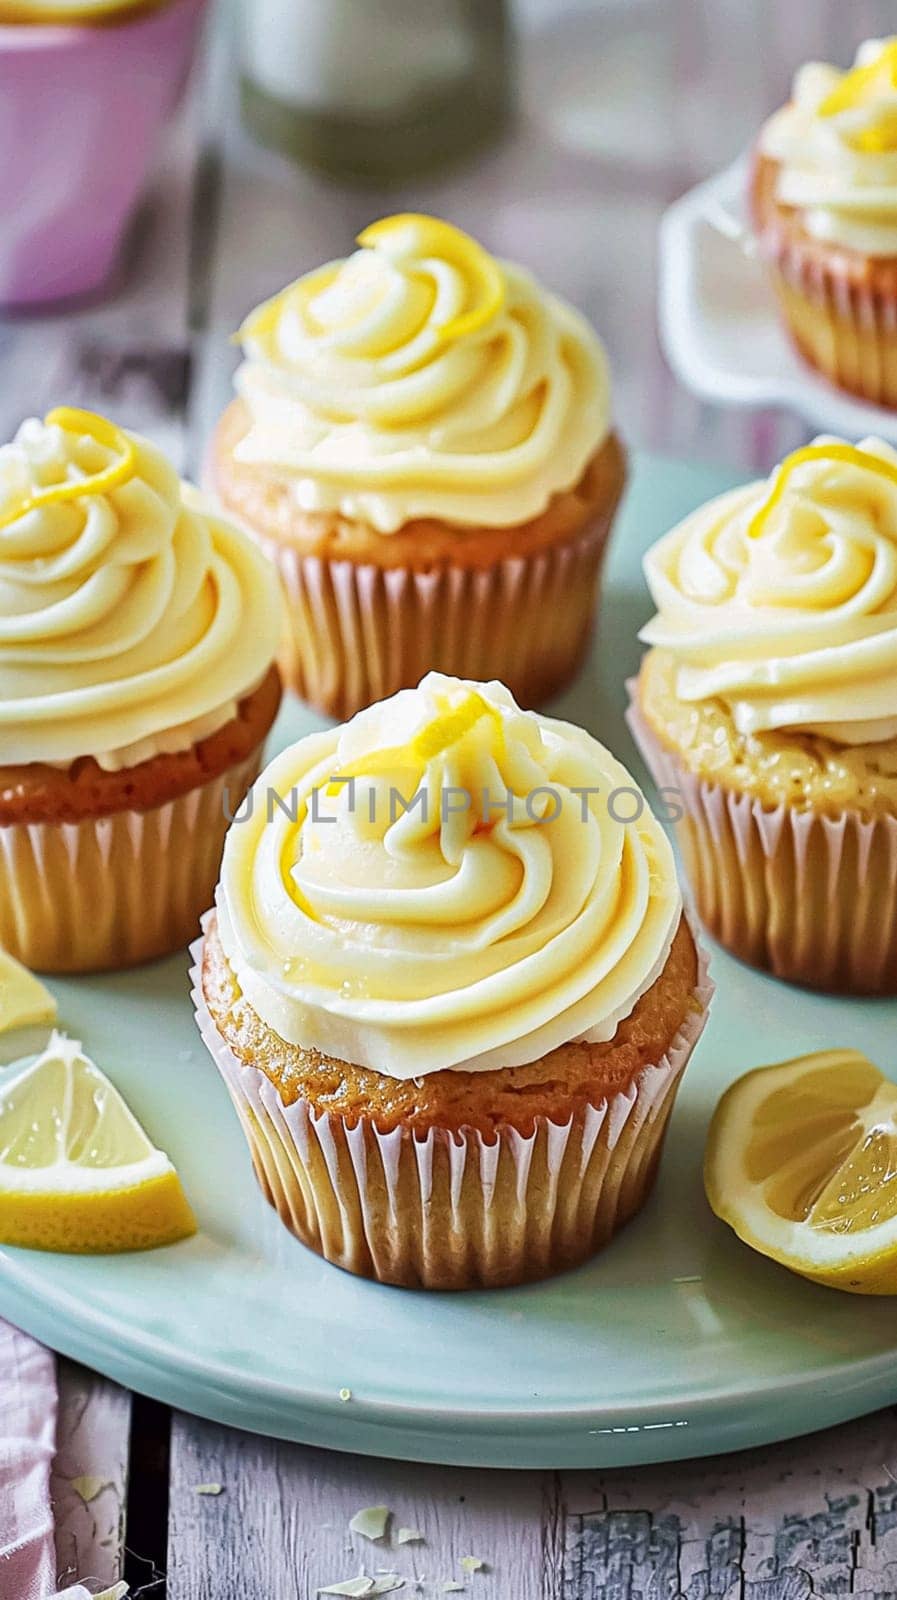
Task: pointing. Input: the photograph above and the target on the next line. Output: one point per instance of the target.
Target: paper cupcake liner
(809, 898)
(453, 1210)
(113, 891)
(844, 329)
(68, 186)
(359, 632)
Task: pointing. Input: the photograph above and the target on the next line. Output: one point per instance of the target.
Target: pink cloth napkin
(27, 1445)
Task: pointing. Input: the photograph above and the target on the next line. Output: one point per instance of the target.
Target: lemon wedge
(801, 1161)
(411, 235)
(77, 1171)
(23, 998)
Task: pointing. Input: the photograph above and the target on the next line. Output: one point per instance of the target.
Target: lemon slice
(412, 234)
(23, 998)
(77, 1171)
(801, 1161)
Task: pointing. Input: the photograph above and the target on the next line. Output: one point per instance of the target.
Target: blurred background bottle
(379, 90)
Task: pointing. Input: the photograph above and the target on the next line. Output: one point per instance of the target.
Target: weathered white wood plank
(811, 1516)
(88, 1484)
(815, 1516)
(279, 1529)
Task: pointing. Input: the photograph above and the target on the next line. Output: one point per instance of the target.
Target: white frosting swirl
(386, 399)
(502, 915)
(839, 167)
(132, 620)
(791, 619)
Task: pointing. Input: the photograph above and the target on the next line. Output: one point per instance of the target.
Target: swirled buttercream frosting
(422, 378)
(836, 145)
(444, 883)
(132, 618)
(780, 598)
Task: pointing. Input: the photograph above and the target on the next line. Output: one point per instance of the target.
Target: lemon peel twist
(847, 454)
(861, 87)
(440, 734)
(104, 433)
(411, 233)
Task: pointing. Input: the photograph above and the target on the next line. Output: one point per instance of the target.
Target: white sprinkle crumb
(409, 1536)
(452, 1588)
(352, 1586)
(208, 1488)
(472, 1564)
(345, 1394)
(89, 1488)
(371, 1522)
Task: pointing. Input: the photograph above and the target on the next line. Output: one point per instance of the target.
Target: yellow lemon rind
(146, 1216)
(860, 1271)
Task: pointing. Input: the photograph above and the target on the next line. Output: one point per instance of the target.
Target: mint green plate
(676, 1341)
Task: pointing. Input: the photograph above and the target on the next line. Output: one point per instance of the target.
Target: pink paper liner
(454, 1210)
(83, 110)
(844, 329)
(113, 891)
(810, 898)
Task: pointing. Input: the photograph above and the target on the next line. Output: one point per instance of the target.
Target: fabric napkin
(28, 1406)
(27, 1445)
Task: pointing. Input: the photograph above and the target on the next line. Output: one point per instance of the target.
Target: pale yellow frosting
(780, 598)
(475, 930)
(132, 620)
(836, 142)
(392, 386)
(55, 12)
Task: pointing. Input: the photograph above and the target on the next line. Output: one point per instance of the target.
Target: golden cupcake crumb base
(839, 306)
(806, 893)
(369, 613)
(102, 870)
(112, 892)
(427, 1199)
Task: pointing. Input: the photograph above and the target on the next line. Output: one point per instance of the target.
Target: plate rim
(559, 1438)
(808, 394)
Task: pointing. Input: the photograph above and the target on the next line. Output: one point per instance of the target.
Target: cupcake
(422, 443)
(767, 707)
(824, 206)
(450, 988)
(87, 89)
(137, 637)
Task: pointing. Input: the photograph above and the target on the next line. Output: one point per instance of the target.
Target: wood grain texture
(280, 1525)
(814, 1516)
(810, 1517)
(88, 1486)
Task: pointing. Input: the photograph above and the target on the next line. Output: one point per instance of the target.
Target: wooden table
(624, 105)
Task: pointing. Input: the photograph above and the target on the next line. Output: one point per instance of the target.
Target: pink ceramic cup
(81, 109)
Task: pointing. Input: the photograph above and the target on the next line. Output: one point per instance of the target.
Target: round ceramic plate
(676, 1341)
(718, 322)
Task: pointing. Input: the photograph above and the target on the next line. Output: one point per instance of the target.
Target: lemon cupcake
(137, 637)
(768, 706)
(824, 205)
(422, 442)
(452, 994)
